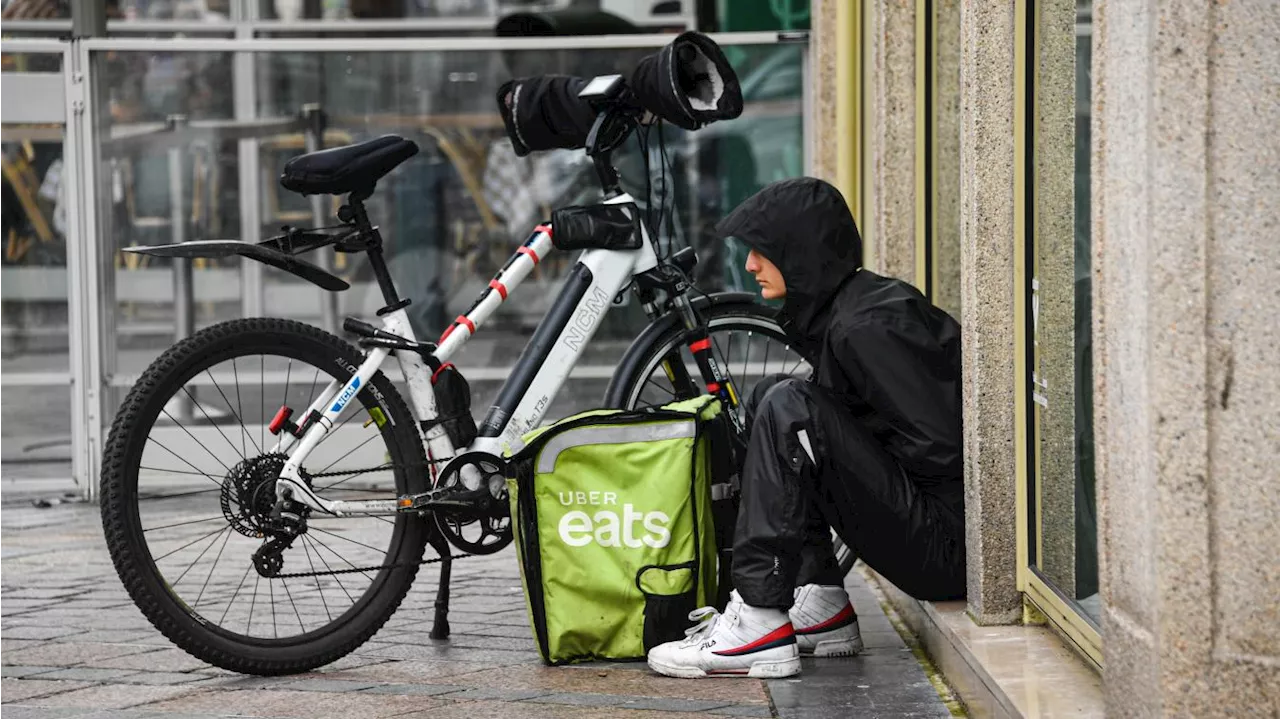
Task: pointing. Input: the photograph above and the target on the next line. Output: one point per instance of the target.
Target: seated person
(869, 445)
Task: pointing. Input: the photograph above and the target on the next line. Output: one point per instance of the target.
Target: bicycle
(438, 478)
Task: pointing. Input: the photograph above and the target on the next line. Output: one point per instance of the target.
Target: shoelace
(707, 619)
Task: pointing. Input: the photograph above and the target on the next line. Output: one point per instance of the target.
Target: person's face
(772, 287)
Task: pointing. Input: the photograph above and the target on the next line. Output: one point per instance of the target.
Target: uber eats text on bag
(613, 526)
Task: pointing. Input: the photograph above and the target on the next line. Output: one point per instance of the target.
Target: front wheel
(749, 345)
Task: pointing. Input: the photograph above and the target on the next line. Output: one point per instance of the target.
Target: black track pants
(911, 537)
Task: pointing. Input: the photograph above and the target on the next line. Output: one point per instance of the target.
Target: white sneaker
(745, 641)
(825, 623)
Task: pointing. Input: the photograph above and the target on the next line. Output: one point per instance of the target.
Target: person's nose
(753, 266)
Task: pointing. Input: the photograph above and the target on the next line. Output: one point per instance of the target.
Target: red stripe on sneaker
(846, 617)
(735, 672)
(782, 636)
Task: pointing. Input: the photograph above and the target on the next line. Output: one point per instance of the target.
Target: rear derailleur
(288, 521)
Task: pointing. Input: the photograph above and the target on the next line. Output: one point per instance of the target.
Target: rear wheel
(749, 345)
(188, 486)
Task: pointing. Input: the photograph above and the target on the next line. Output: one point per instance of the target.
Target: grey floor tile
(426, 690)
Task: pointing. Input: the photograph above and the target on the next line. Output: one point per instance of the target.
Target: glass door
(1057, 498)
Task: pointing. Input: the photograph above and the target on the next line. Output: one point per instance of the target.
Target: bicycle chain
(308, 476)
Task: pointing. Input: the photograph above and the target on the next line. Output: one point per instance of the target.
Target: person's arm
(900, 371)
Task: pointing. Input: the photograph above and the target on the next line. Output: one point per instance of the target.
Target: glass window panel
(37, 445)
(167, 172)
(1065, 545)
(450, 216)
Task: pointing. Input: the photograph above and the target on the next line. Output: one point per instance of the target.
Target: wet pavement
(74, 645)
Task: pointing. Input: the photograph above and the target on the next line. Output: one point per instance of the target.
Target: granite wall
(1187, 286)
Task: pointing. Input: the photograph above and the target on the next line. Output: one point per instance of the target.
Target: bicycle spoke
(348, 539)
(180, 494)
(314, 378)
(241, 407)
(211, 569)
(183, 524)
(165, 412)
(287, 374)
(275, 628)
(723, 360)
(284, 582)
(198, 557)
(188, 544)
(184, 460)
(337, 578)
(244, 450)
(307, 550)
(179, 471)
(348, 454)
(340, 557)
(744, 360)
(236, 594)
(248, 625)
(206, 416)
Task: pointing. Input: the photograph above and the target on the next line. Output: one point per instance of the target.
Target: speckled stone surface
(946, 155)
(1186, 110)
(987, 297)
(822, 57)
(891, 140)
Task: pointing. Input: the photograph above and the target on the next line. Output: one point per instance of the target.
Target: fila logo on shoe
(780, 637)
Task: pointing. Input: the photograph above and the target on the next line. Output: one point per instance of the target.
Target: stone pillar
(1186, 219)
(946, 155)
(822, 68)
(891, 140)
(987, 299)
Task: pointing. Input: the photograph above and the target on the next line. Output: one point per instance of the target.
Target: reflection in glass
(449, 216)
(1086, 569)
(1064, 545)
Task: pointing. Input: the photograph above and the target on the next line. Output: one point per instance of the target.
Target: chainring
(488, 529)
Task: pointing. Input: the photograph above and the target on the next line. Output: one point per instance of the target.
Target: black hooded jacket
(875, 342)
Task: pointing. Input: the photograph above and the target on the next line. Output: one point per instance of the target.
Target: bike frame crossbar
(535, 379)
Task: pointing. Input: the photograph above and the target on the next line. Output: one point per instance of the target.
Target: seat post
(376, 260)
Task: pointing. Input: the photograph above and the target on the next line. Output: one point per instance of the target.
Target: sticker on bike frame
(346, 395)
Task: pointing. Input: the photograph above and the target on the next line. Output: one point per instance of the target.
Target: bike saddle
(350, 168)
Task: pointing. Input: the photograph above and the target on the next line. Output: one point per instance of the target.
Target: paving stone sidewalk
(73, 645)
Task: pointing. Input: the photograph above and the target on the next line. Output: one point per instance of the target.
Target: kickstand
(440, 625)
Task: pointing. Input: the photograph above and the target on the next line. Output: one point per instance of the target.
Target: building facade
(1092, 188)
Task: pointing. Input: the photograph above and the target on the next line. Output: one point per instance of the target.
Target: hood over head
(803, 226)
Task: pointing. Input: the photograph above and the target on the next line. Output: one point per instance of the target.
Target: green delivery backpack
(613, 528)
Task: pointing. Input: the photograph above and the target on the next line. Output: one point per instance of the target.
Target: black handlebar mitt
(689, 83)
(545, 112)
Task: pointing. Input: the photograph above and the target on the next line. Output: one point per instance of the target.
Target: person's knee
(786, 397)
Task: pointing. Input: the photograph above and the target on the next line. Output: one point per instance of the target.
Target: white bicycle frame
(598, 277)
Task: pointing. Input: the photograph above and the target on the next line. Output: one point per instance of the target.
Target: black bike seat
(350, 168)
